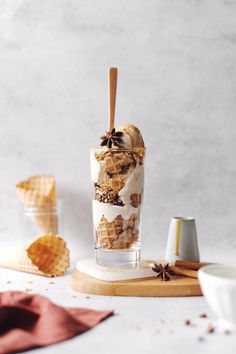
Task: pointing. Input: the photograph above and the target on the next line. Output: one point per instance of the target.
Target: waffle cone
(18, 259)
(108, 232)
(116, 183)
(118, 234)
(46, 255)
(37, 191)
(117, 162)
(113, 163)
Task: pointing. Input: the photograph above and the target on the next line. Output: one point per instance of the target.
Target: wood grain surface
(148, 287)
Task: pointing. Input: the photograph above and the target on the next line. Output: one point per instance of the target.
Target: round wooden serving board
(181, 286)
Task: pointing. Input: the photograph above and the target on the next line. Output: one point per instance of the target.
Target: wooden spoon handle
(112, 79)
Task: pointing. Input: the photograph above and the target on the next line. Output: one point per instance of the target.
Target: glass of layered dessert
(117, 171)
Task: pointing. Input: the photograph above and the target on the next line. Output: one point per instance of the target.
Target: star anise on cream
(112, 138)
(163, 271)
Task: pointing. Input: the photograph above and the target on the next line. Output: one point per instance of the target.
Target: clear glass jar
(118, 182)
(43, 220)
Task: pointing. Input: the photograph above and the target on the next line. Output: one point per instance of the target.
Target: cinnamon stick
(191, 265)
(186, 272)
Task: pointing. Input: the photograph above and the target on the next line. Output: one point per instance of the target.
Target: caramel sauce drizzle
(177, 236)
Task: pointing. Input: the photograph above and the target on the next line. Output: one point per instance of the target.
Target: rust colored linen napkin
(29, 321)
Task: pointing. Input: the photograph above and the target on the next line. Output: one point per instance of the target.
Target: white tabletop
(140, 325)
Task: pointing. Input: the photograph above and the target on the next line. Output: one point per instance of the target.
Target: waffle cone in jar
(47, 219)
(39, 193)
(46, 255)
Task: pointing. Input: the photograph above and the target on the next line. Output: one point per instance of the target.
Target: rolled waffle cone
(50, 254)
(46, 255)
(39, 193)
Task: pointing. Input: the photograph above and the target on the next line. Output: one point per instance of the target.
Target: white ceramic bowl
(218, 284)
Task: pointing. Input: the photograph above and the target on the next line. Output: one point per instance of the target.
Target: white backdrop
(177, 83)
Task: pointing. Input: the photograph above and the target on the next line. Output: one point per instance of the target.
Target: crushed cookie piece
(28, 290)
(203, 315)
(119, 233)
(108, 197)
(210, 328)
(200, 339)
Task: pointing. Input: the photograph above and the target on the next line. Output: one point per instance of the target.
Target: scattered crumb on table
(203, 315)
(28, 290)
(210, 328)
(9, 282)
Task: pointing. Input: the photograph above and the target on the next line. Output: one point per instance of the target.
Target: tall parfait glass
(117, 183)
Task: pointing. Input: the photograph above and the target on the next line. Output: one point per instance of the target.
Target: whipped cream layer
(134, 183)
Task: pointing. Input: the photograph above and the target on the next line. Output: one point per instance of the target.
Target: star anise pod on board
(112, 138)
(163, 271)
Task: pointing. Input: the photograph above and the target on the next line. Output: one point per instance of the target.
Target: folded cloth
(29, 321)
